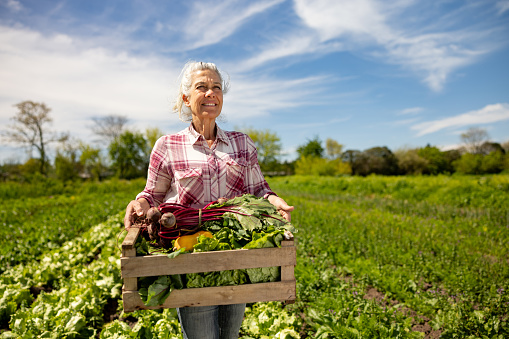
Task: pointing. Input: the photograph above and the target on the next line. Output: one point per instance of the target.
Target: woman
(198, 165)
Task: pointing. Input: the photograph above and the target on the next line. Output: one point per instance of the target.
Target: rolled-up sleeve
(255, 181)
(159, 176)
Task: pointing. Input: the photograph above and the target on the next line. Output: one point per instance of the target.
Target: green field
(377, 257)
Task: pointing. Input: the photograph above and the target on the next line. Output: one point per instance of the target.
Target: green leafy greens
(251, 223)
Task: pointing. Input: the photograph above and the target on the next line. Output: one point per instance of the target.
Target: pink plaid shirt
(184, 169)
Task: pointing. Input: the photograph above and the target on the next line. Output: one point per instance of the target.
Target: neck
(207, 128)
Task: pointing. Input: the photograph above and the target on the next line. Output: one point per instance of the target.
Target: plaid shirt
(185, 170)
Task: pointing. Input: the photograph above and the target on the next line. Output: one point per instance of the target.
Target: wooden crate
(133, 267)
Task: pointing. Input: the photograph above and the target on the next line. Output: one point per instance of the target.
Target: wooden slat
(287, 271)
(130, 284)
(128, 248)
(207, 262)
(222, 295)
(133, 267)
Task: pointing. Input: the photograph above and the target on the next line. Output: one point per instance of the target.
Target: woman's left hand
(282, 207)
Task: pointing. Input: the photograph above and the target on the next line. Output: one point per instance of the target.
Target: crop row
(81, 280)
(85, 267)
(374, 260)
(447, 272)
(32, 226)
(468, 192)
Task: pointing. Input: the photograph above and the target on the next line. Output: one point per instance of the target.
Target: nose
(210, 93)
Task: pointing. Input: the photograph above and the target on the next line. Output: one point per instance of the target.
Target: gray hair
(185, 78)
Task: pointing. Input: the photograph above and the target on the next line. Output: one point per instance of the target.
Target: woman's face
(206, 95)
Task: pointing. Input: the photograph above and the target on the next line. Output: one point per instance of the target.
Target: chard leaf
(265, 240)
(248, 222)
(159, 291)
(176, 253)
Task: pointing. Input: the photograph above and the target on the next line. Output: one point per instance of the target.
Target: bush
(311, 165)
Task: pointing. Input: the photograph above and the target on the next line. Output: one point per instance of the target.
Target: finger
(129, 213)
(284, 205)
(127, 220)
(286, 215)
(138, 209)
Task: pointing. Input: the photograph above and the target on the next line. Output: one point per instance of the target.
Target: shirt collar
(194, 135)
(221, 135)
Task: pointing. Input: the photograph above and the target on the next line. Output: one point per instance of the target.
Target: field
(377, 257)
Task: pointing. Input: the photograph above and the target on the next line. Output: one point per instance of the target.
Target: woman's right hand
(136, 208)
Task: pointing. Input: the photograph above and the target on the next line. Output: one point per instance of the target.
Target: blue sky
(402, 73)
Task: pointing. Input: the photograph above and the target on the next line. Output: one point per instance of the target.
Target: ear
(186, 100)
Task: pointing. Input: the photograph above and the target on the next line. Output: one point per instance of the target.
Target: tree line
(124, 153)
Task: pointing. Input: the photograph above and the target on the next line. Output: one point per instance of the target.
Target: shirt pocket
(189, 184)
(236, 177)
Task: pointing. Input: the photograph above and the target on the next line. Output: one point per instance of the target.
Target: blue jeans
(214, 322)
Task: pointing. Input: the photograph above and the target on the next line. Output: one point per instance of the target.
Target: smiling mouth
(210, 105)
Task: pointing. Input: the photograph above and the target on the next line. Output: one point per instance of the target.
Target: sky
(366, 73)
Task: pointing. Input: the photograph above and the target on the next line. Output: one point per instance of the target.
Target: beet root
(153, 214)
(153, 230)
(167, 220)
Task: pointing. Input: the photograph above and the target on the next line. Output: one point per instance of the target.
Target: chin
(210, 115)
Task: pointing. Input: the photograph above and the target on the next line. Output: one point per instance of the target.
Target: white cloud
(411, 111)
(450, 147)
(334, 18)
(14, 5)
(374, 28)
(209, 25)
(434, 56)
(79, 82)
(502, 6)
(260, 96)
(488, 114)
(296, 43)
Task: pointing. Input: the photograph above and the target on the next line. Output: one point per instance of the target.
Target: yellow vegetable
(188, 241)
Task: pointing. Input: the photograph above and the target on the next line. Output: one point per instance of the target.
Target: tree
(92, 162)
(490, 147)
(333, 148)
(493, 162)
(505, 146)
(409, 161)
(268, 146)
(30, 129)
(352, 158)
(153, 134)
(376, 160)
(10, 170)
(30, 168)
(473, 139)
(380, 160)
(110, 127)
(67, 165)
(469, 163)
(128, 153)
(313, 148)
(437, 161)
(311, 165)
